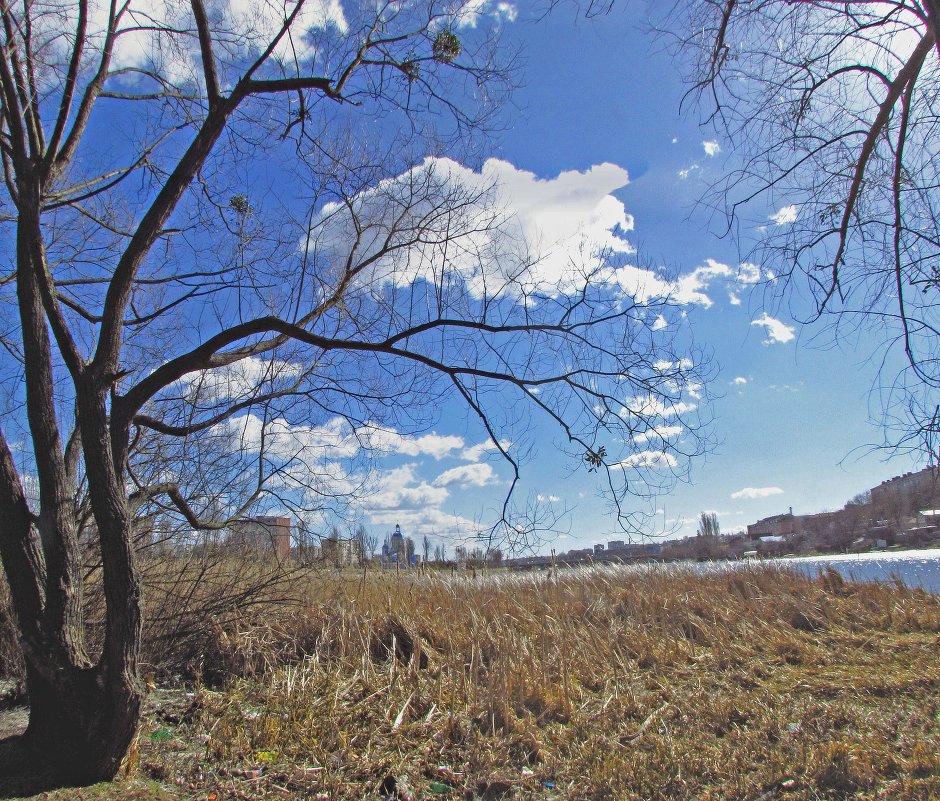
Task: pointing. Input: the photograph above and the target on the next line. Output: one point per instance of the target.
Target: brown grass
(607, 683)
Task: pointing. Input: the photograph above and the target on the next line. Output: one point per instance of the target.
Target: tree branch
(68, 90)
(207, 54)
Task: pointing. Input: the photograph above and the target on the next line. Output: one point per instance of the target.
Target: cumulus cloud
(150, 38)
(784, 216)
(505, 231)
(659, 323)
(261, 21)
(239, 379)
(751, 493)
(647, 459)
(659, 432)
(149, 32)
(690, 287)
(547, 498)
(418, 522)
(750, 273)
(777, 331)
(393, 442)
(501, 229)
(466, 475)
(648, 406)
(334, 439)
(403, 498)
(476, 452)
(712, 148)
(685, 173)
(470, 13)
(739, 381)
(401, 489)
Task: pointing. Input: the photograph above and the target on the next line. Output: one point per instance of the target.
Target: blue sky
(591, 156)
(794, 409)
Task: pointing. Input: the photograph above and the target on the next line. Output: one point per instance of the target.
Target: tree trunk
(82, 721)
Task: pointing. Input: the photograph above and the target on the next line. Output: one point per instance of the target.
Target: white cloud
(393, 442)
(503, 230)
(471, 12)
(647, 459)
(712, 148)
(689, 287)
(659, 432)
(751, 493)
(647, 406)
(684, 174)
(739, 381)
(506, 11)
(239, 379)
(261, 21)
(416, 523)
(547, 498)
(403, 498)
(400, 489)
(149, 35)
(750, 273)
(660, 323)
(467, 475)
(334, 439)
(475, 452)
(777, 331)
(784, 216)
(733, 299)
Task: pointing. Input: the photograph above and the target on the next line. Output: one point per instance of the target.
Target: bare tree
(368, 541)
(426, 547)
(707, 535)
(260, 281)
(708, 525)
(832, 109)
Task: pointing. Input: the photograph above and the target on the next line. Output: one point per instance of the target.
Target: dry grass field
(608, 683)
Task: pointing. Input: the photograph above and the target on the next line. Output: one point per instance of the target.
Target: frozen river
(920, 568)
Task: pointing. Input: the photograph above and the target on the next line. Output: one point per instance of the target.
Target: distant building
(631, 550)
(908, 490)
(579, 553)
(928, 517)
(395, 549)
(775, 526)
(263, 534)
(341, 552)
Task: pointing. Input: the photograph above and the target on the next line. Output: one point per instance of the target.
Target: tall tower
(396, 546)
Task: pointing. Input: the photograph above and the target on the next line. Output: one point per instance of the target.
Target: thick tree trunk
(82, 722)
(83, 717)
